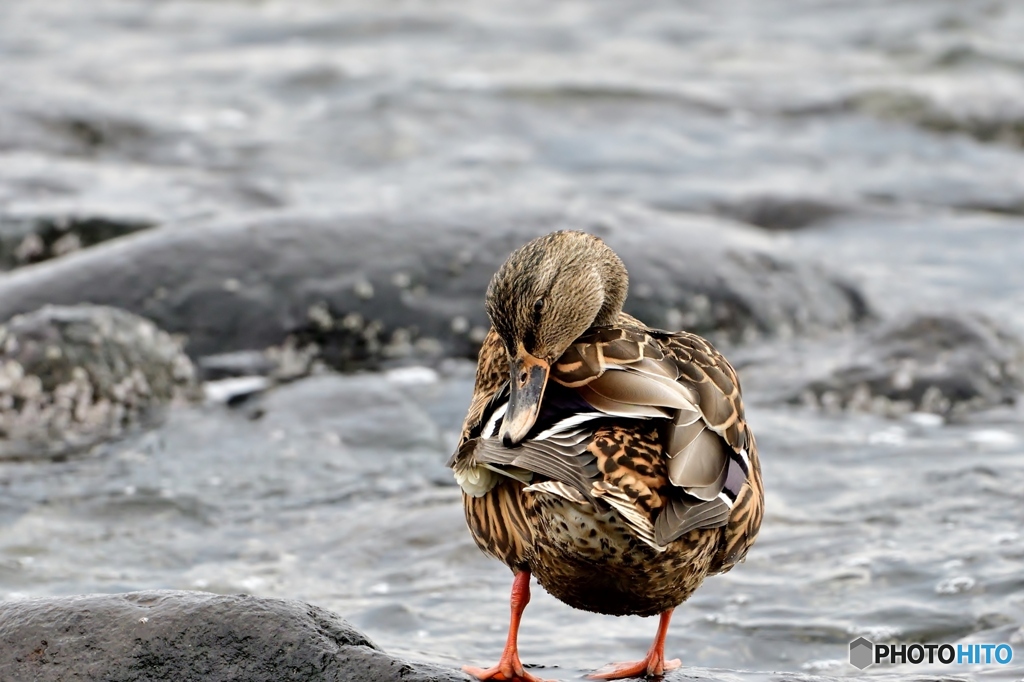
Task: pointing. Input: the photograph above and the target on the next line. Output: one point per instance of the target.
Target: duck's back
(639, 478)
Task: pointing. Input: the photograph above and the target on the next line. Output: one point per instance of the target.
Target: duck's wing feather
(711, 465)
(705, 369)
(555, 448)
(491, 375)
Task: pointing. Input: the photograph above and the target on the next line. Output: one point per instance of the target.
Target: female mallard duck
(610, 460)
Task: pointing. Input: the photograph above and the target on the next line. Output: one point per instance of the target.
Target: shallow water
(906, 530)
(333, 489)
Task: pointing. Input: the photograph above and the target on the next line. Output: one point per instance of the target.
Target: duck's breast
(591, 559)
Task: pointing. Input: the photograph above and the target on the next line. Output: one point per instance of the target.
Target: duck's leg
(653, 664)
(510, 667)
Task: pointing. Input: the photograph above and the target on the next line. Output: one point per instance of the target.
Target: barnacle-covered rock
(33, 238)
(942, 364)
(71, 377)
(368, 287)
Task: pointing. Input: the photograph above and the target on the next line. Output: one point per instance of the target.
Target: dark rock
(34, 238)
(779, 214)
(71, 377)
(364, 288)
(191, 636)
(943, 364)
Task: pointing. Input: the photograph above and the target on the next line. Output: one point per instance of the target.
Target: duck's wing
(554, 448)
(721, 428)
(491, 375)
(707, 446)
(648, 422)
(490, 391)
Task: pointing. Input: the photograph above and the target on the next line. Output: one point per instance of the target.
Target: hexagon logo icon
(862, 653)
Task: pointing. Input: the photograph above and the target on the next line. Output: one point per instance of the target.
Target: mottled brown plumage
(609, 460)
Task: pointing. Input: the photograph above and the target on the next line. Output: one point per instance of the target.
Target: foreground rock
(183, 636)
(368, 287)
(73, 376)
(942, 364)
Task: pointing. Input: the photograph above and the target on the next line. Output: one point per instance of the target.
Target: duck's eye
(538, 305)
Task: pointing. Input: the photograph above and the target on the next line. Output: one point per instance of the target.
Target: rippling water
(881, 139)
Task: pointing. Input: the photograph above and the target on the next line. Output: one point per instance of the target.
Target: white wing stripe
(491, 428)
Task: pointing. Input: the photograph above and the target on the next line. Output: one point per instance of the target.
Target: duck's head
(542, 299)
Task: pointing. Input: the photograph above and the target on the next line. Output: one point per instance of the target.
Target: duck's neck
(615, 282)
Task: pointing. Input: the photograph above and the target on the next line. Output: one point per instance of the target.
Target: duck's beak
(529, 377)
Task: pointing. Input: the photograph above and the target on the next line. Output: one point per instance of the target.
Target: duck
(608, 460)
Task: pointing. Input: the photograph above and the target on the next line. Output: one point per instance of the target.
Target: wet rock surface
(941, 364)
(183, 636)
(30, 238)
(370, 287)
(71, 377)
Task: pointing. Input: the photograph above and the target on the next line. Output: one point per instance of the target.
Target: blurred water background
(881, 141)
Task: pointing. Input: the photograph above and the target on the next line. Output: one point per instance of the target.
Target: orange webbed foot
(509, 671)
(648, 667)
